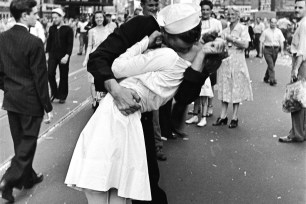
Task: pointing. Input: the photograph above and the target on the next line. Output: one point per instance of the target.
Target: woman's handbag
(295, 96)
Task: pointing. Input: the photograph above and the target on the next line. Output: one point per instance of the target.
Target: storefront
(76, 7)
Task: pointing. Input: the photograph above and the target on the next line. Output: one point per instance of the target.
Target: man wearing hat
(179, 18)
(59, 49)
(23, 77)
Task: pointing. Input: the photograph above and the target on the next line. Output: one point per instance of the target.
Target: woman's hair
(94, 24)
(235, 9)
(190, 36)
(18, 7)
(207, 3)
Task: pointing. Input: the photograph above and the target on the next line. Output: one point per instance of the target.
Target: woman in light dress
(96, 36)
(109, 161)
(234, 85)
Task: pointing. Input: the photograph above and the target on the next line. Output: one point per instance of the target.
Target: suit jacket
(129, 33)
(23, 73)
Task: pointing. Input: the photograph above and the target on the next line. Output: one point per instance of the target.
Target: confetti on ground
(244, 173)
(274, 135)
(185, 138)
(75, 101)
(279, 197)
(211, 140)
(214, 165)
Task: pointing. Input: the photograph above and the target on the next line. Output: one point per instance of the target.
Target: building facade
(4, 9)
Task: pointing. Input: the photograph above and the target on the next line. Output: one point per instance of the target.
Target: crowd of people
(143, 73)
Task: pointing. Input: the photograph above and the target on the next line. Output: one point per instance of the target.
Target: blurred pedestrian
(23, 77)
(96, 36)
(83, 38)
(38, 31)
(59, 49)
(234, 85)
(271, 42)
(259, 27)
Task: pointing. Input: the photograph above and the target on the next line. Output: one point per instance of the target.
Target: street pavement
(213, 165)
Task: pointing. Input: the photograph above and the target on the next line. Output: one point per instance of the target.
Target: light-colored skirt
(111, 153)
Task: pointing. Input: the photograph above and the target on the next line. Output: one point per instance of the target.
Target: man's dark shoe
(7, 191)
(287, 139)
(266, 80)
(178, 133)
(62, 101)
(161, 155)
(38, 179)
(273, 83)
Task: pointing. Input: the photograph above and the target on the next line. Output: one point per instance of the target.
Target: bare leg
(204, 101)
(115, 199)
(224, 107)
(235, 111)
(96, 197)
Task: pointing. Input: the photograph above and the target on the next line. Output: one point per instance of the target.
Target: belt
(275, 47)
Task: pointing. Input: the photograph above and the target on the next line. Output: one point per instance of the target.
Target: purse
(295, 96)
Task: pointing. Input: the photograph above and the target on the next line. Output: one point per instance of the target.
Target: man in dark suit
(24, 80)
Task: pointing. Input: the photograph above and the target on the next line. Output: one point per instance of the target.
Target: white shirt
(154, 75)
(82, 25)
(211, 25)
(272, 37)
(298, 45)
(259, 28)
(38, 31)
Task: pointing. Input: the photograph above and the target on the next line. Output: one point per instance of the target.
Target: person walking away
(298, 72)
(24, 80)
(96, 36)
(59, 49)
(234, 84)
(271, 42)
(259, 27)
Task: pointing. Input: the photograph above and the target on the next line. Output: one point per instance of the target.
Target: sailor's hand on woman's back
(125, 99)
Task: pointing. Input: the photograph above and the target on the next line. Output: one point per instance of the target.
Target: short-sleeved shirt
(259, 28)
(272, 37)
(298, 45)
(211, 25)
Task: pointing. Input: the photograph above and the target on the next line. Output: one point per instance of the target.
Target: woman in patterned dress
(234, 85)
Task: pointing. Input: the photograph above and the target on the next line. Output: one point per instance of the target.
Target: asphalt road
(215, 165)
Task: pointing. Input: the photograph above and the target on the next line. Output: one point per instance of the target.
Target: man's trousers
(24, 131)
(298, 131)
(270, 54)
(158, 195)
(60, 91)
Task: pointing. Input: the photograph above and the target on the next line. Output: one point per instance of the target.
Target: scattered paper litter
(274, 135)
(75, 101)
